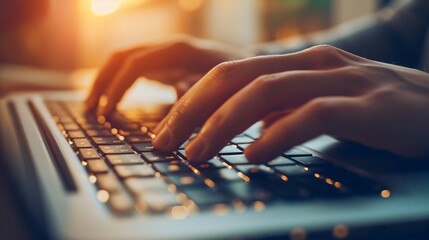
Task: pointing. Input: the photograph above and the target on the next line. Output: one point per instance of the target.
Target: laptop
(83, 176)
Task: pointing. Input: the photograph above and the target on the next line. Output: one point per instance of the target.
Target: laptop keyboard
(133, 177)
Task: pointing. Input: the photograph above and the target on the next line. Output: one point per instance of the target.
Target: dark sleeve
(394, 35)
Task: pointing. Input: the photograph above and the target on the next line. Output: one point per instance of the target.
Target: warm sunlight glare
(104, 7)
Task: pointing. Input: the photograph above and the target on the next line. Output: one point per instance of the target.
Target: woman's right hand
(179, 63)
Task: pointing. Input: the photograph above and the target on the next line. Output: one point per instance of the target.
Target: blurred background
(64, 35)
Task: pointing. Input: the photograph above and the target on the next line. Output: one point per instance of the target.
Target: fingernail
(162, 139)
(196, 150)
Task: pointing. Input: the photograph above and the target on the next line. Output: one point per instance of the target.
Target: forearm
(394, 35)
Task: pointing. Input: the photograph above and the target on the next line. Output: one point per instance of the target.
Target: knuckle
(327, 55)
(222, 67)
(264, 84)
(221, 70)
(386, 95)
(361, 78)
(356, 74)
(378, 71)
(327, 50)
(354, 71)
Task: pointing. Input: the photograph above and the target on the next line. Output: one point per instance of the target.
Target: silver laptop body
(62, 198)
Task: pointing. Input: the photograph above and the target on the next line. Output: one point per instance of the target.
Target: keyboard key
(222, 175)
(253, 132)
(65, 119)
(288, 190)
(235, 159)
(159, 201)
(76, 134)
(138, 139)
(247, 192)
(310, 161)
(349, 179)
(125, 171)
(106, 140)
(120, 159)
(280, 160)
(254, 169)
(97, 166)
(206, 197)
(263, 177)
(213, 163)
(293, 170)
(159, 156)
(186, 181)
(99, 133)
(88, 153)
(172, 167)
(108, 182)
(182, 153)
(127, 133)
(318, 188)
(230, 149)
(296, 152)
(85, 119)
(243, 146)
(144, 147)
(121, 203)
(82, 143)
(70, 126)
(193, 135)
(141, 185)
(116, 149)
(184, 145)
(242, 139)
(92, 126)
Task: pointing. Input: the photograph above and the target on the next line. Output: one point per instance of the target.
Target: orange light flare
(104, 7)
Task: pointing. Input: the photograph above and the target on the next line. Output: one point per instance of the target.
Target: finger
(342, 117)
(185, 84)
(188, 83)
(170, 58)
(106, 74)
(158, 127)
(227, 78)
(268, 94)
(271, 118)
